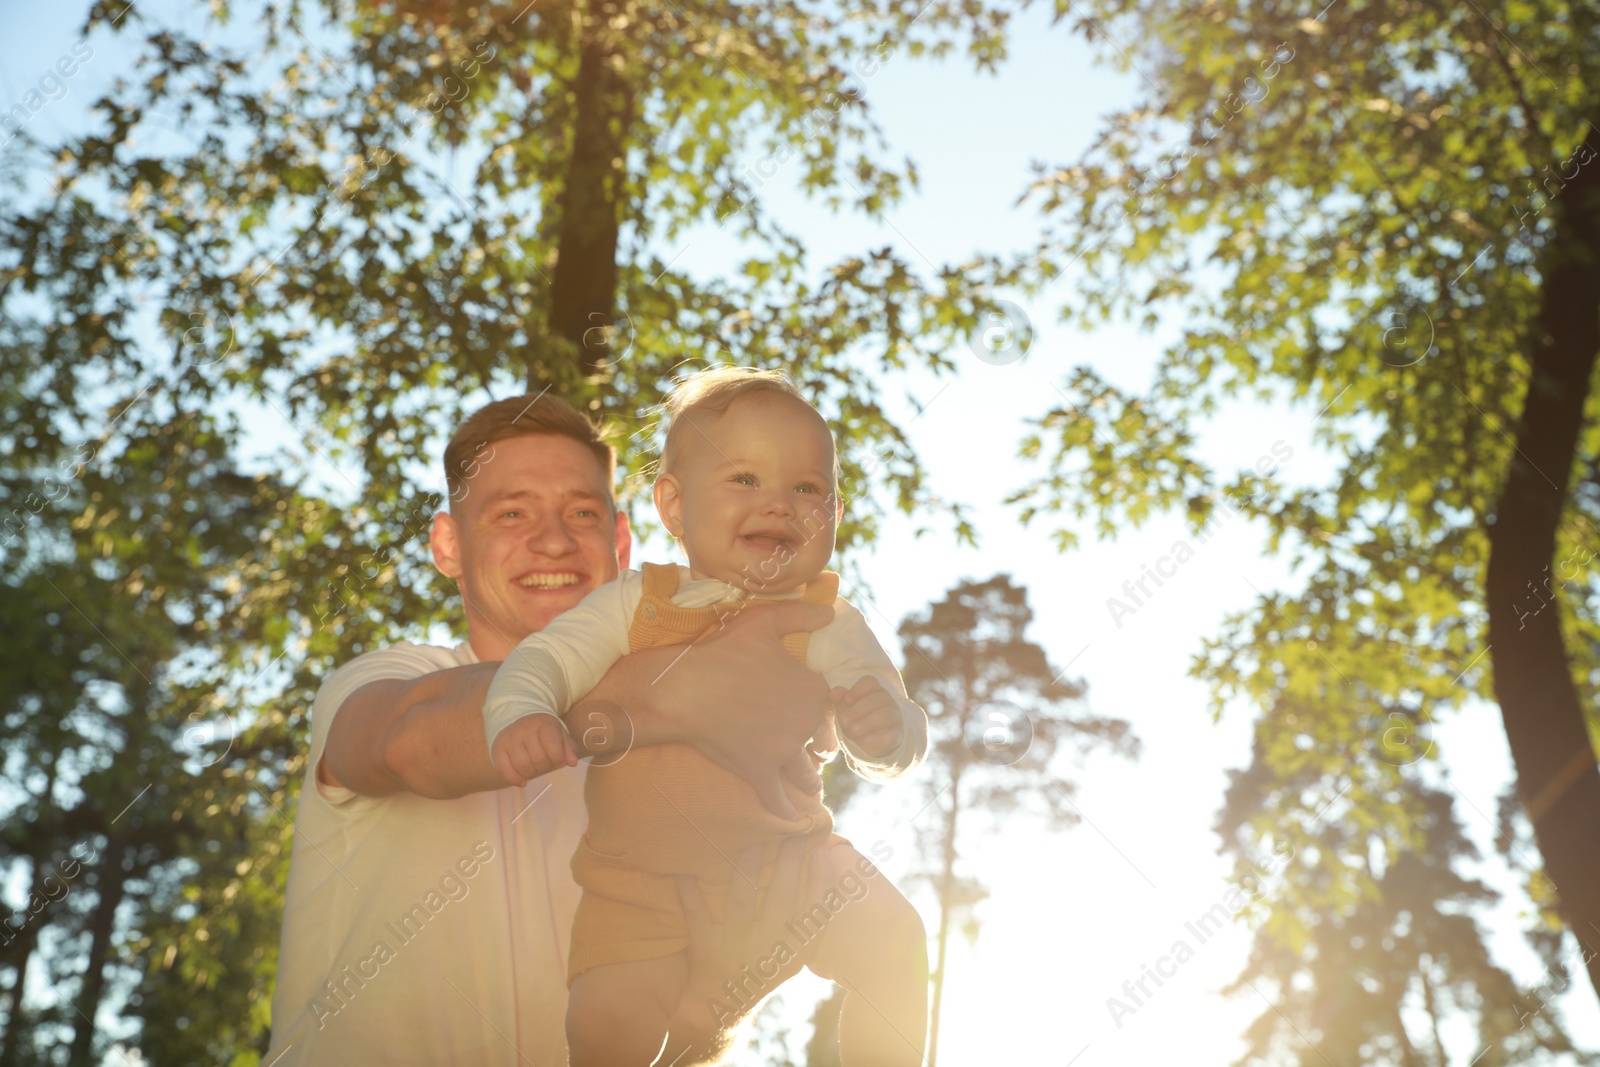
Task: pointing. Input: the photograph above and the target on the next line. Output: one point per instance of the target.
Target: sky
(1070, 915)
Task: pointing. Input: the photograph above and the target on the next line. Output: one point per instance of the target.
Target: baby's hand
(531, 746)
(869, 716)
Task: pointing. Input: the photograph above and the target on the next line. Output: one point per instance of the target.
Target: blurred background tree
(1397, 957)
(1000, 719)
(258, 239)
(1389, 210)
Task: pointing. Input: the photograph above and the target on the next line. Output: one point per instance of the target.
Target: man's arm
(422, 735)
(419, 735)
(740, 699)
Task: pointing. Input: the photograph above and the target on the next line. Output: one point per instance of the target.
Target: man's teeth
(548, 581)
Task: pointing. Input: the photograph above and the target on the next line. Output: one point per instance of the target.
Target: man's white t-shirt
(421, 931)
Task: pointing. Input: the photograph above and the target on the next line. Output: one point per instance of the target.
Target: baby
(749, 485)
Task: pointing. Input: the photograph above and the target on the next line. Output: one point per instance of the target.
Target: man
(429, 900)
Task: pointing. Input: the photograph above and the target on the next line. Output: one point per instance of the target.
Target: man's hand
(738, 698)
(869, 716)
(747, 938)
(531, 746)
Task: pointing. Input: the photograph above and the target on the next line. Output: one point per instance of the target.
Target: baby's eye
(744, 479)
(806, 487)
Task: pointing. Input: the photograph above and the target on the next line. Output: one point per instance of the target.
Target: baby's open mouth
(767, 542)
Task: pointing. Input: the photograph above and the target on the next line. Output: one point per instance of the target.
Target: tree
(999, 718)
(1386, 210)
(1358, 985)
(259, 229)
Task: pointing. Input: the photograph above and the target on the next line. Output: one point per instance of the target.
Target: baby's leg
(617, 1014)
(875, 946)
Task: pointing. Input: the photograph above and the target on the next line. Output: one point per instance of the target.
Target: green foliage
(1405, 944)
(263, 235)
(1345, 208)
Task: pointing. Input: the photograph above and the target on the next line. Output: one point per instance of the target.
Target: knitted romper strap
(661, 584)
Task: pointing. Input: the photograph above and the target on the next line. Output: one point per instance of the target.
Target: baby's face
(751, 495)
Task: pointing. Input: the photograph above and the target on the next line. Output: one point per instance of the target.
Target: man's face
(530, 537)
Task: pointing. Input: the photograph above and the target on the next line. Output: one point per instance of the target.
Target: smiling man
(429, 900)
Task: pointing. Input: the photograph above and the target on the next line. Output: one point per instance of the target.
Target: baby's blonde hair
(715, 390)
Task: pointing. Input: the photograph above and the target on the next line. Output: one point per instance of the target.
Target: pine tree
(1000, 720)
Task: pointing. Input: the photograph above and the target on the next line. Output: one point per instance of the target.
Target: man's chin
(540, 608)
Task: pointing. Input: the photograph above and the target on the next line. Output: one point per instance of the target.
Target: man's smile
(548, 580)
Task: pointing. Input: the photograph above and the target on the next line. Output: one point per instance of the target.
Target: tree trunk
(1431, 1002)
(946, 892)
(113, 882)
(22, 949)
(583, 293)
(823, 1048)
(1557, 779)
(1409, 1057)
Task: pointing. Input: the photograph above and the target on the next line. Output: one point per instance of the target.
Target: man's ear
(669, 504)
(445, 541)
(624, 540)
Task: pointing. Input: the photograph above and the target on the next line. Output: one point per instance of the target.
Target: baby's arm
(846, 653)
(542, 676)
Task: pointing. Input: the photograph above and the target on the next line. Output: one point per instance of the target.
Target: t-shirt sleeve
(402, 661)
(845, 651)
(554, 666)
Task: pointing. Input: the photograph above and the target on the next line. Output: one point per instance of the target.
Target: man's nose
(549, 536)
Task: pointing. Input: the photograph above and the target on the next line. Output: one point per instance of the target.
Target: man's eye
(511, 515)
(586, 514)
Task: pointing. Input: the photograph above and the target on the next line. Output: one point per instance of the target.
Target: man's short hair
(522, 416)
(716, 390)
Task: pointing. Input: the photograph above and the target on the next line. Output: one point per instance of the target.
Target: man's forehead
(538, 460)
(528, 495)
(530, 469)
(533, 492)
